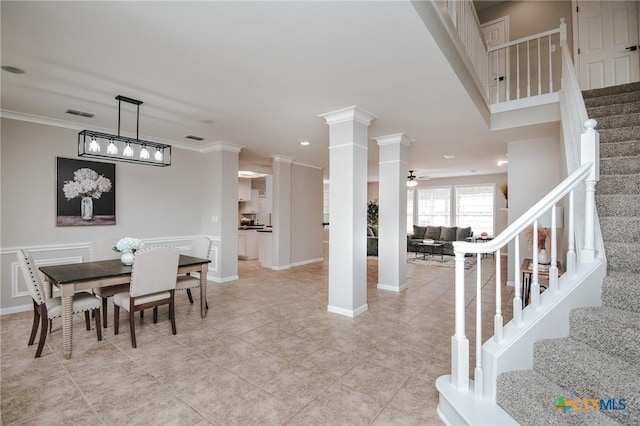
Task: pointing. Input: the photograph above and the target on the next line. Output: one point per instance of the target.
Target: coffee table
(431, 247)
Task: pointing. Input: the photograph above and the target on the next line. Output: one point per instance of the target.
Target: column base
(348, 312)
(394, 288)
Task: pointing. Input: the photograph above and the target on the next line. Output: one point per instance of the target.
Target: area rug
(446, 261)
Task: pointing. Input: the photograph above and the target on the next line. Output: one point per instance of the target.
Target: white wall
(151, 202)
(534, 170)
(306, 214)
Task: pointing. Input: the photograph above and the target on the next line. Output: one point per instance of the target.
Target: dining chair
(44, 310)
(200, 247)
(103, 250)
(153, 283)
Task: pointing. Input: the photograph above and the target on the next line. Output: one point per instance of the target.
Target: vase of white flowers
(88, 185)
(128, 246)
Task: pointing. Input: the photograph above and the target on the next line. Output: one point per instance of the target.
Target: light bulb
(411, 183)
(112, 148)
(158, 155)
(144, 154)
(128, 152)
(94, 146)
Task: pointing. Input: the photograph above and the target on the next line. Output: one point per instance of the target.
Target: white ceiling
(261, 71)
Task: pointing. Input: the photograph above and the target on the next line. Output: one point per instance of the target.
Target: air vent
(80, 113)
(195, 138)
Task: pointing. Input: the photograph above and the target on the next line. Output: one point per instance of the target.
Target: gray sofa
(372, 240)
(440, 234)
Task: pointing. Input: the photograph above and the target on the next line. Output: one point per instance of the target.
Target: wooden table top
(86, 271)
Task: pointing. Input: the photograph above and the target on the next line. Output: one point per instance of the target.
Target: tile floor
(268, 353)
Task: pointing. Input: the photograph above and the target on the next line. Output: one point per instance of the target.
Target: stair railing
(583, 165)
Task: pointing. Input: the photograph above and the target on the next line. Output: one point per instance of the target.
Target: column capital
(223, 146)
(282, 159)
(397, 138)
(352, 113)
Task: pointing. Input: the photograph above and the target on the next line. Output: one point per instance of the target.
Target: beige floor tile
(164, 409)
(76, 412)
(254, 408)
(298, 385)
(342, 405)
(375, 380)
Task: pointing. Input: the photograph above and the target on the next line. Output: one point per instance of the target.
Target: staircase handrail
(524, 221)
(524, 39)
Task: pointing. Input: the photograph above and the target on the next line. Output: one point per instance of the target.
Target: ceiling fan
(411, 179)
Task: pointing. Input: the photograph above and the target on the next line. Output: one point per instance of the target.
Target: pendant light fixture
(411, 180)
(122, 148)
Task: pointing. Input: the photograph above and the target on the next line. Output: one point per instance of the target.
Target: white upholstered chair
(153, 283)
(200, 247)
(103, 250)
(44, 310)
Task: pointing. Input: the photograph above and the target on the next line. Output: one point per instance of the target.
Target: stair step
(616, 121)
(615, 109)
(590, 373)
(621, 290)
(618, 184)
(530, 398)
(620, 149)
(621, 98)
(619, 134)
(622, 257)
(620, 165)
(617, 204)
(609, 330)
(611, 90)
(620, 229)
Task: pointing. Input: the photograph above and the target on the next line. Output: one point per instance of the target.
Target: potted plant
(372, 213)
(504, 188)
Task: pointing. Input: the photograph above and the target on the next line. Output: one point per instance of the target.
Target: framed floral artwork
(85, 192)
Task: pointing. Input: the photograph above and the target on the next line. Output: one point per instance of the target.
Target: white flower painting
(86, 193)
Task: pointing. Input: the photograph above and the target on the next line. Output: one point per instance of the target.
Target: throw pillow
(448, 233)
(433, 233)
(463, 233)
(418, 232)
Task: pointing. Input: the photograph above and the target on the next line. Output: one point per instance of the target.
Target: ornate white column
(220, 210)
(392, 224)
(348, 146)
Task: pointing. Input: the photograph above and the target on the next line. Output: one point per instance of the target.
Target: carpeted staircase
(601, 357)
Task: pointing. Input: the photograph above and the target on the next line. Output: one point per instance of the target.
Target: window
(410, 194)
(474, 208)
(434, 206)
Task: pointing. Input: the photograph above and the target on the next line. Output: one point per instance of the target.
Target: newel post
(459, 342)
(590, 153)
(563, 30)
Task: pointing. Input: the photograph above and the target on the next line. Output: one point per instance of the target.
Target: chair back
(155, 269)
(201, 247)
(31, 277)
(103, 249)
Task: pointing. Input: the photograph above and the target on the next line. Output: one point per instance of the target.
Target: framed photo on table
(85, 193)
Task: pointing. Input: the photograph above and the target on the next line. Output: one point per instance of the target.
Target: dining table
(73, 277)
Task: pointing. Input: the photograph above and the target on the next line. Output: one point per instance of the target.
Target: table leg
(203, 290)
(67, 319)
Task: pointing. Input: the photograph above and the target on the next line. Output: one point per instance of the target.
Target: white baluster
(571, 243)
(517, 300)
(528, 71)
(535, 284)
(553, 268)
(517, 71)
(477, 374)
(550, 68)
(507, 65)
(539, 70)
(498, 321)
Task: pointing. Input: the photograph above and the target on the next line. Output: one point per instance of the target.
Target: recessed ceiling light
(14, 70)
(449, 156)
(305, 143)
(502, 162)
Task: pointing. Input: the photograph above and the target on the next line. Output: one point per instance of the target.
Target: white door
(494, 33)
(608, 43)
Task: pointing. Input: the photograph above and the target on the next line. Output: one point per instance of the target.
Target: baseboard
(392, 288)
(306, 262)
(16, 309)
(222, 279)
(348, 312)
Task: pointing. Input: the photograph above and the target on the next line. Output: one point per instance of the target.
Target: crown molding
(352, 113)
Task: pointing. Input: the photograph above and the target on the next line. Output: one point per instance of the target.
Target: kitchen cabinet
(251, 205)
(247, 244)
(244, 189)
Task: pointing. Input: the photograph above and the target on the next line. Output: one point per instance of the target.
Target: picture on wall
(86, 193)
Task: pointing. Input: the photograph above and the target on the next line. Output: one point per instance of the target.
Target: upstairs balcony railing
(527, 68)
